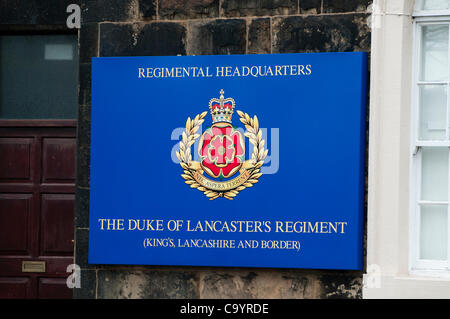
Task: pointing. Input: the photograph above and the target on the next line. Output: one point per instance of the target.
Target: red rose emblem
(222, 151)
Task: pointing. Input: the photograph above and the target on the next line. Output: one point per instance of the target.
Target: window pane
(435, 173)
(38, 76)
(435, 4)
(434, 56)
(433, 112)
(433, 232)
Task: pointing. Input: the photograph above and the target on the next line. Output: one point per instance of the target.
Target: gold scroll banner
(222, 186)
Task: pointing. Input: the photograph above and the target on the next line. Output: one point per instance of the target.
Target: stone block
(259, 36)
(46, 12)
(88, 42)
(242, 8)
(143, 284)
(188, 9)
(84, 125)
(310, 6)
(147, 8)
(334, 6)
(270, 284)
(340, 286)
(84, 76)
(109, 10)
(82, 247)
(83, 166)
(217, 37)
(81, 208)
(88, 283)
(340, 33)
(140, 39)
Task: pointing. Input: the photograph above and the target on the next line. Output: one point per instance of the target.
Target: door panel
(53, 288)
(37, 196)
(58, 162)
(15, 223)
(56, 232)
(14, 288)
(15, 160)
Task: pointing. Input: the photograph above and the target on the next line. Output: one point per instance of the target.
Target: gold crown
(221, 109)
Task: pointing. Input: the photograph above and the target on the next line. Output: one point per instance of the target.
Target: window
(38, 76)
(430, 245)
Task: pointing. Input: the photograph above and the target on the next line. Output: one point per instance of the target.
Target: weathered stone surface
(109, 10)
(258, 284)
(310, 6)
(162, 39)
(259, 36)
(341, 33)
(147, 8)
(330, 6)
(125, 284)
(84, 125)
(88, 42)
(188, 9)
(136, 39)
(81, 247)
(118, 39)
(242, 8)
(88, 282)
(81, 208)
(84, 76)
(217, 37)
(83, 166)
(341, 286)
(48, 12)
(83, 146)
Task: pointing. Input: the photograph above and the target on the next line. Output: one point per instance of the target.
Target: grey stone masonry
(204, 27)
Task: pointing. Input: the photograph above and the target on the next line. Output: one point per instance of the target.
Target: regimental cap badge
(221, 150)
(221, 109)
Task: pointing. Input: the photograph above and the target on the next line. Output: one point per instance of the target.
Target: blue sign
(240, 160)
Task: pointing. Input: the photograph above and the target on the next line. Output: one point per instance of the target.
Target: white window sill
(414, 286)
(430, 274)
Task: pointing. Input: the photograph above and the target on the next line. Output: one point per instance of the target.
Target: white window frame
(428, 13)
(417, 266)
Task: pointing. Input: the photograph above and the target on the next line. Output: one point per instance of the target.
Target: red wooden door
(37, 196)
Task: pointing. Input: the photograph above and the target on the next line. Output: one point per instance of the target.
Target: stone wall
(198, 27)
(31, 15)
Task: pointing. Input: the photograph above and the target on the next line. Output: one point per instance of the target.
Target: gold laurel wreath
(189, 136)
